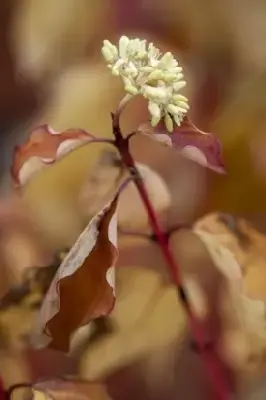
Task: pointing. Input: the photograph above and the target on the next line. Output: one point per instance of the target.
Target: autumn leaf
(241, 303)
(189, 141)
(49, 169)
(83, 287)
(43, 148)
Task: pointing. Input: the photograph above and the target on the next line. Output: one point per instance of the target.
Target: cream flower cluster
(144, 70)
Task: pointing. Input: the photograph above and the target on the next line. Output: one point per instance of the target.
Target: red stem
(212, 362)
(3, 395)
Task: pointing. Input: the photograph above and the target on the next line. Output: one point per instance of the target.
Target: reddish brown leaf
(201, 147)
(43, 148)
(82, 288)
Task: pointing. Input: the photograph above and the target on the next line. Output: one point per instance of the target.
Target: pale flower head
(157, 77)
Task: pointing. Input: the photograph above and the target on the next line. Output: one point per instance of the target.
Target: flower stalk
(211, 360)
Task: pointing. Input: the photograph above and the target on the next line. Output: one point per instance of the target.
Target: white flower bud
(123, 45)
(111, 48)
(107, 54)
(175, 70)
(179, 76)
(179, 97)
(115, 71)
(153, 51)
(133, 47)
(154, 109)
(117, 66)
(178, 119)
(142, 52)
(172, 109)
(146, 69)
(143, 44)
(169, 123)
(127, 81)
(154, 93)
(129, 86)
(168, 61)
(183, 105)
(179, 85)
(155, 121)
(170, 77)
(183, 110)
(157, 74)
(154, 54)
(131, 89)
(131, 70)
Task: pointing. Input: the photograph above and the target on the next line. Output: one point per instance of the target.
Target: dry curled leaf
(189, 141)
(83, 287)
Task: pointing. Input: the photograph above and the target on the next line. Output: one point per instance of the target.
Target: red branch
(212, 362)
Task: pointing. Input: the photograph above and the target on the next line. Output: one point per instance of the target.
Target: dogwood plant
(158, 78)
